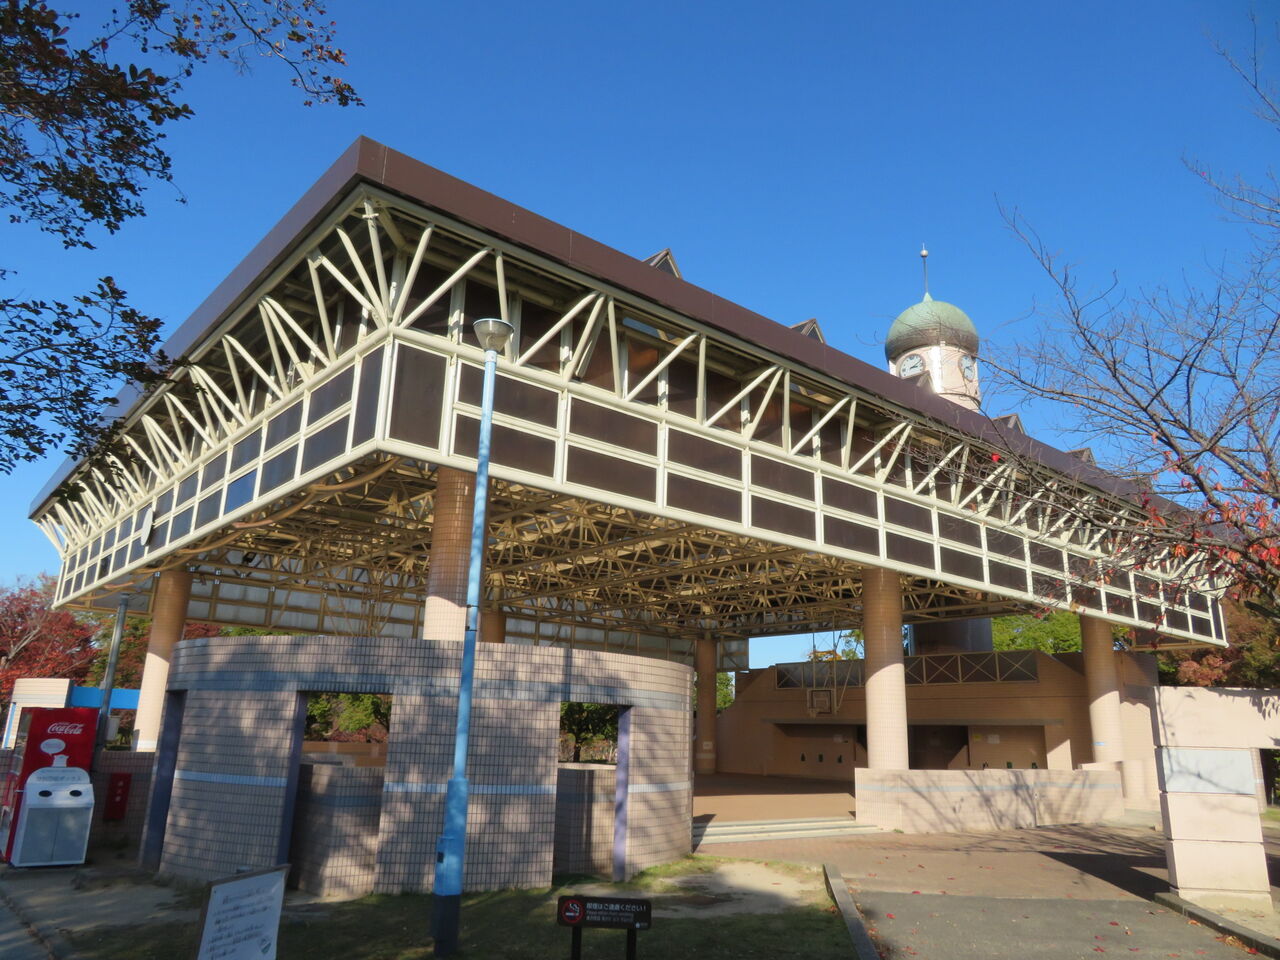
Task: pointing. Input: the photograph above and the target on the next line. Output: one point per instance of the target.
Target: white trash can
(56, 814)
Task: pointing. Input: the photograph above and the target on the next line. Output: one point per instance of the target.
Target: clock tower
(936, 343)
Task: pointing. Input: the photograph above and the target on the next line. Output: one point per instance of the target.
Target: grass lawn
(517, 924)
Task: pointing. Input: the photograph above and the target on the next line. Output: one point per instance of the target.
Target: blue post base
(446, 904)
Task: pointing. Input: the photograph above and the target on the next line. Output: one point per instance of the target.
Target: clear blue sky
(794, 156)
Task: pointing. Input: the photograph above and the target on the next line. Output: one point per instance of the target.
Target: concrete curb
(55, 943)
(1266, 946)
(839, 890)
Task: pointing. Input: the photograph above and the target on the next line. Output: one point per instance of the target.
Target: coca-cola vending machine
(47, 798)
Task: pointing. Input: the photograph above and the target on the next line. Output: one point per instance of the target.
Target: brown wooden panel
(366, 419)
(1043, 586)
(782, 517)
(694, 451)
(846, 496)
(961, 531)
(323, 445)
(961, 563)
(908, 550)
(851, 536)
(1045, 556)
(508, 446)
(906, 514)
(513, 397)
(682, 387)
(246, 451)
(686, 493)
(1004, 575)
(781, 477)
(480, 302)
(435, 320)
(1119, 604)
(1087, 596)
(284, 425)
(611, 426)
(278, 469)
(1005, 544)
(330, 395)
(417, 397)
(594, 469)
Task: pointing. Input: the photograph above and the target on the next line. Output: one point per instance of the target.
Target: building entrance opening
(342, 766)
(591, 783)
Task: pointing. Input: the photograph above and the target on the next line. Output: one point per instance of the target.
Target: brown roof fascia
(373, 162)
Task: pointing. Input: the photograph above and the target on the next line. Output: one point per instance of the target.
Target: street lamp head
(492, 333)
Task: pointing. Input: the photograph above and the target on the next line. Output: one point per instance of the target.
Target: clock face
(969, 367)
(910, 365)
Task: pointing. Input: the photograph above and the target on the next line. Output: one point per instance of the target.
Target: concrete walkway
(1056, 892)
(16, 941)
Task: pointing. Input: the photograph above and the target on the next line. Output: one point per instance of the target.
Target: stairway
(744, 831)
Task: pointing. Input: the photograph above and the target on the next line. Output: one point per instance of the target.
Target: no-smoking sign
(572, 910)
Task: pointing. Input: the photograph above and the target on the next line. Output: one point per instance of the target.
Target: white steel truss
(661, 475)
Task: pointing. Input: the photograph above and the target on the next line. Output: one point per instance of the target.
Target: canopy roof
(667, 463)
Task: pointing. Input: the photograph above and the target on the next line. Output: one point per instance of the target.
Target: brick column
(886, 683)
(704, 662)
(445, 616)
(493, 625)
(1102, 684)
(168, 618)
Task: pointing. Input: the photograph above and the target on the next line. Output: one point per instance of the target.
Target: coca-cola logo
(66, 728)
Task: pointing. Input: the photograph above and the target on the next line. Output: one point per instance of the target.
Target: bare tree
(1178, 391)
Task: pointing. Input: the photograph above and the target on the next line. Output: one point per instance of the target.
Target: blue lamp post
(452, 845)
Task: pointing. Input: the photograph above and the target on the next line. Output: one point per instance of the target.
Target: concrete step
(742, 831)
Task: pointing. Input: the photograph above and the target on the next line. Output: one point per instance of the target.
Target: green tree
(1058, 631)
(588, 723)
(83, 117)
(724, 690)
(848, 646)
(348, 716)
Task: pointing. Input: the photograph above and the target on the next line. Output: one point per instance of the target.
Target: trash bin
(55, 817)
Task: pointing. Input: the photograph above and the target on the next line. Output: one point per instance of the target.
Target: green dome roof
(930, 322)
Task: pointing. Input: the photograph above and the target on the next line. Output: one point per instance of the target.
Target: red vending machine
(50, 769)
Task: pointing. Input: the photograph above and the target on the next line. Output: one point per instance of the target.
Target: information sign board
(241, 918)
(615, 912)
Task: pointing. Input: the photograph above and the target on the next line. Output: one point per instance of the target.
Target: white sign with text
(242, 916)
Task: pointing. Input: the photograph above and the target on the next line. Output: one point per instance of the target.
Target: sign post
(617, 913)
(241, 916)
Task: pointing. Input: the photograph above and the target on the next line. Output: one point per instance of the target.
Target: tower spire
(924, 267)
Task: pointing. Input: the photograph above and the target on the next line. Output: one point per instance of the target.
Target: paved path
(16, 942)
(933, 927)
(1058, 893)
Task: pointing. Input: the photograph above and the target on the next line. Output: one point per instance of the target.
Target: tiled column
(886, 682)
(445, 616)
(1102, 685)
(493, 625)
(704, 661)
(168, 618)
